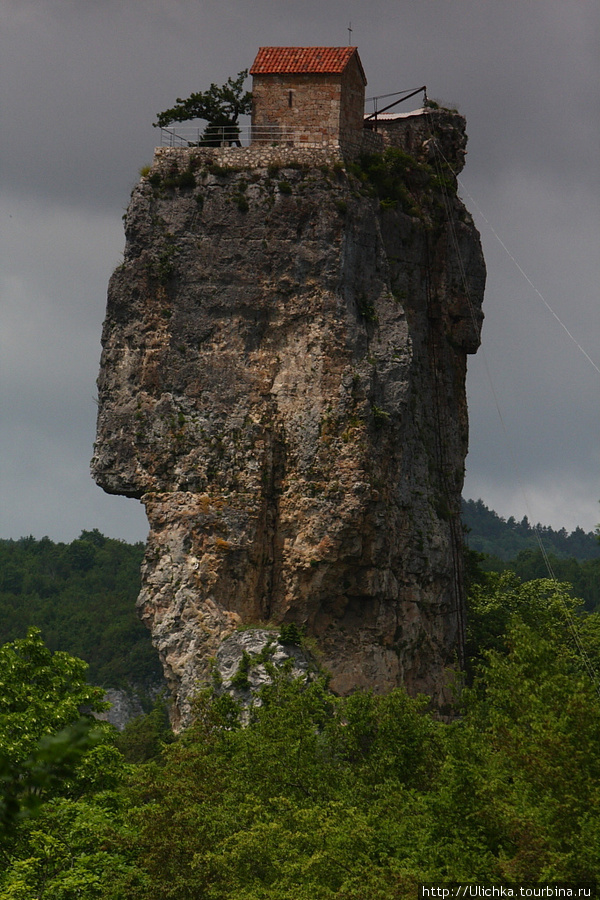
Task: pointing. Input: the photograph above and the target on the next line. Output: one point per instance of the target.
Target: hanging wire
(528, 279)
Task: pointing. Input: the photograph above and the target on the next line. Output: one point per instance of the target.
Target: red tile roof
(298, 60)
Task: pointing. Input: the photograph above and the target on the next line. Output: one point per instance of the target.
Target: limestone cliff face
(283, 385)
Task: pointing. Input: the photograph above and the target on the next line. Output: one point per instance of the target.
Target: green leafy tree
(144, 737)
(59, 774)
(69, 852)
(519, 785)
(517, 795)
(45, 721)
(498, 600)
(310, 800)
(46, 727)
(327, 798)
(220, 106)
(322, 797)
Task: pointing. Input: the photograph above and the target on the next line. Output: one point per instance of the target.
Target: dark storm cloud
(80, 85)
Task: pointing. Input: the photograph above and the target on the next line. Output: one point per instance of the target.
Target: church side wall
(352, 98)
(309, 104)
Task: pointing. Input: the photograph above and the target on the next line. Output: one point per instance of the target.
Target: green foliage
(288, 807)
(241, 201)
(487, 532)
(368, 796)
(240, 679)
(515, 546)
(495, 603)
(184, 180)
(291, 634)
(144, 737)
(317, 796)
(40, 693)
(162, 266)
(531, 731)
(366, 309)
(222, 171)
(584, 577)
(82, 597)
(42, 730)
(219, 106)
(42, 769)
(347, 798)
(58, 778)
(393, 176)
(380, 416)
(69, 851)
(520, 776)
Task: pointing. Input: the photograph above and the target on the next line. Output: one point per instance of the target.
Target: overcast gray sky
(80, 84)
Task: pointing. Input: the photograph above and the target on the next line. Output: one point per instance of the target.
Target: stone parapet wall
(261, 156)
(256, 157)
(357, 142)
(415, 134)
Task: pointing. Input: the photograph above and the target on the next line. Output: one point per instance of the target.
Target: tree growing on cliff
(220, 106)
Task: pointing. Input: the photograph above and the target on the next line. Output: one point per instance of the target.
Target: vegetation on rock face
(398, 179)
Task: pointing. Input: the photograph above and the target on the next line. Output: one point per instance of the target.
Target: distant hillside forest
(523, 548)
(82, 595)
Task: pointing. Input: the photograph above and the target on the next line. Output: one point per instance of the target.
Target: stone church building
(312, 94)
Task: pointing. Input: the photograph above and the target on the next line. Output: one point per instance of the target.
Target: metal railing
(231, 136)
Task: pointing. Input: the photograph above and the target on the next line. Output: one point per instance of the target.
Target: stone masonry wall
(310, 104)
(353, 98)
(262, 155)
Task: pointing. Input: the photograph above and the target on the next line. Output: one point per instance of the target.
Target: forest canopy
(82, 598)
(317, 797)
(323, 797)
